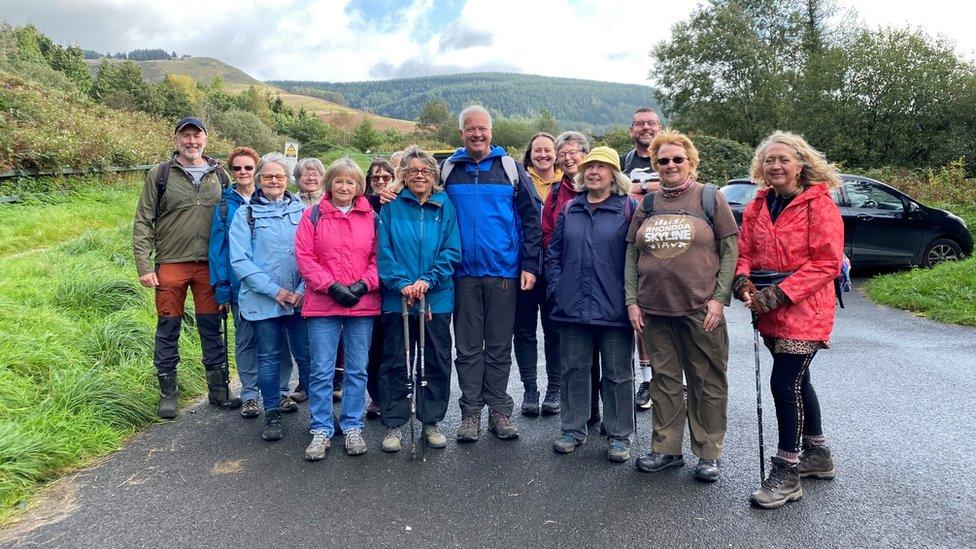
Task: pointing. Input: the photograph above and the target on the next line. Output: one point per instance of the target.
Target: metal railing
(19, 174)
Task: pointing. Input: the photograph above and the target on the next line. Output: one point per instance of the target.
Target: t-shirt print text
(669, 235)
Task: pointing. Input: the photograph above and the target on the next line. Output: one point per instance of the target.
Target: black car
(883, 227)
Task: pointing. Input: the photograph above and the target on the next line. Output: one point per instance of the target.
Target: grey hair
(573, 137)
(310, 162)
(411, 152)
(620, 184)
(274, 158)
(472, 110)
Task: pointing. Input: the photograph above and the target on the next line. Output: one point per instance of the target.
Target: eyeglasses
(239, 168)
(564, 154)
(426, 172)
(648, 123)
(677, 161)
(274, 177)
(381, 178)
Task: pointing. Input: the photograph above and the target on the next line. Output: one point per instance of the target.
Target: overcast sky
(345, 40)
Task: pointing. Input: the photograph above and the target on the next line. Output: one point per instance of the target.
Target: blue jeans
(270, 344)
(324, 333)
(245, 356)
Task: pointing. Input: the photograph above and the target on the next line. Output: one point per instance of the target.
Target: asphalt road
(896, 393)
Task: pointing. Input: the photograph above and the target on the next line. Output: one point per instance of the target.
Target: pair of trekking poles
(416, 372)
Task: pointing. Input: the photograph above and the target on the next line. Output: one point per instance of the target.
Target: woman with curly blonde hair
(790, 249)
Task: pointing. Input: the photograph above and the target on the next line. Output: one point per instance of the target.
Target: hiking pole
(422, 379)
(755, 347)
(644, 359)
(406, 351)
(229, 403)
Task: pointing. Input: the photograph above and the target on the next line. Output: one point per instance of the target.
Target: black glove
(342, 295)
(358, 288)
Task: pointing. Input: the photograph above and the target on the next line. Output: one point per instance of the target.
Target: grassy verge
(945, 293)
(76, 337)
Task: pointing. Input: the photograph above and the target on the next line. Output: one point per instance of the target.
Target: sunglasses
(677, 161)
(239, 168)
(381, 178)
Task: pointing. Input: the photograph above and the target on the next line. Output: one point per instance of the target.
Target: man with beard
(170, 238)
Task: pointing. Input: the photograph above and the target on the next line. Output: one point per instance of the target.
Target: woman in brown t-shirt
(680, 261)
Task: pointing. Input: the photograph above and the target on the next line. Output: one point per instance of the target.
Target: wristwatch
(644, 186)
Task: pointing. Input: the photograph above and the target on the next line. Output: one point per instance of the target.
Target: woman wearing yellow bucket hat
(585, 264)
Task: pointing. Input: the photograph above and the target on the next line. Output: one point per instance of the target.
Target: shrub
(246, 129)
(721, 159)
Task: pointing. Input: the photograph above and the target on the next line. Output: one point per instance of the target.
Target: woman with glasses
(418, 247)
(680, 263)
(379, 176)
(241, 162)
(262, 256)
(540, 163)
(335, 246)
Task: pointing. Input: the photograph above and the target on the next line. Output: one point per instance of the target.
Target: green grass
(945, 293)
(76, 337)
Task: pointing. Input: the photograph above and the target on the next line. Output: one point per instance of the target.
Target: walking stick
(422, 379)
(229, 403)
(644, 360)
(755, 346)
(406, 351)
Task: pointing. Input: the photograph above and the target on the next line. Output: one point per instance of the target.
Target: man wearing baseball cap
(170, 238)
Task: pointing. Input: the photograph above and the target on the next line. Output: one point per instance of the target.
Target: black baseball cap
(190, 121)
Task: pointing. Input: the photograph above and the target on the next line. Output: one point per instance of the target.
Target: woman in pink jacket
(792, 238)
(336, 250)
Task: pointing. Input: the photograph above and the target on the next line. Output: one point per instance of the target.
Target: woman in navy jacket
(585, 264)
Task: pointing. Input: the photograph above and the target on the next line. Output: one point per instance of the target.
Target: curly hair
(815, 168)
(672, 137)
(410, 153)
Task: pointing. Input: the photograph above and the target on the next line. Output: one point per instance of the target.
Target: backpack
(628, 208)
(162, 179)
(508, 163)
(842, 284)
(707, 205)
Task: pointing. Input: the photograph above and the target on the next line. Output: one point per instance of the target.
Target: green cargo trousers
(679, 344)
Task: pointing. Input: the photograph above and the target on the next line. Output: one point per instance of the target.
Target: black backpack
(708, 201)
(162, 178)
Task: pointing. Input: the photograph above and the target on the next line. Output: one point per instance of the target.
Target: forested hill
(577, 104)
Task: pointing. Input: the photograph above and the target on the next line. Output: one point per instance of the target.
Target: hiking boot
(781, 486)
(470, 429)
(435, 438)
(355, 445)
(250, 409)
(530, 403)
(503, 427)
(337, 385)
(169, 395)
(551, 405)
(618, 450)
(300, 394)
(566, 443)
(393, 441)
(642, 400)
(708, 470)
(316, 449)
(816, 462)
(272, 425)
(218, 388)
(372, 409)
(287, 405)
(654, 462)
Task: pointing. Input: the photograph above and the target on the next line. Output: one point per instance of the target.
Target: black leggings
(797, 407)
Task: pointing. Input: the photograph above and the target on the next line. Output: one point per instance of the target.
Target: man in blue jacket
(500, 248)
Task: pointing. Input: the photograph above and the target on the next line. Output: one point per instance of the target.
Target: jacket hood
(461, 155)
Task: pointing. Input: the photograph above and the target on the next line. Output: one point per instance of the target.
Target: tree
(364, 137)
(437, 122)
(120, 85)
(246, 129)
(180, 95)
(546, 122)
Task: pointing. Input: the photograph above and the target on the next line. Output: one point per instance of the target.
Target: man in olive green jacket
(170, 238)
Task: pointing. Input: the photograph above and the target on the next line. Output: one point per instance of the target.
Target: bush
(246, 129)
(721, 159)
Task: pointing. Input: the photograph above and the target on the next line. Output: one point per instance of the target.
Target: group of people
(610, 252)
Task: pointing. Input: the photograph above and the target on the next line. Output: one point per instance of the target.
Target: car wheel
(940, 250)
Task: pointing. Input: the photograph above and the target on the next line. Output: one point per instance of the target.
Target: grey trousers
(484, 318)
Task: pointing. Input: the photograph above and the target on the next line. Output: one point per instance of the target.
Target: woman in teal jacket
(418, 250)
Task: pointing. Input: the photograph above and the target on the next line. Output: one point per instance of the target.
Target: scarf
(670, 193)
(311, 198)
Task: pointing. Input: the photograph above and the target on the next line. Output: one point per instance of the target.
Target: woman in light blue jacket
(262, 256)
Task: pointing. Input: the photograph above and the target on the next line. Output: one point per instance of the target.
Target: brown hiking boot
(503, 427)
(470, 429)
(780, 487)
(815, 461)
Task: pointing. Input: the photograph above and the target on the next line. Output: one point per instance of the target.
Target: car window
(739, 193)
(838, 196)
(865, 195)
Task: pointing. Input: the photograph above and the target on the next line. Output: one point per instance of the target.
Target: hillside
(579, 104)
(205, 69)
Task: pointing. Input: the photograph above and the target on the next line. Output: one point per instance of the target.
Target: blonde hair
(400, 170)
(345, 166)
(620, 184)
(672, 137)
(815, 168)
